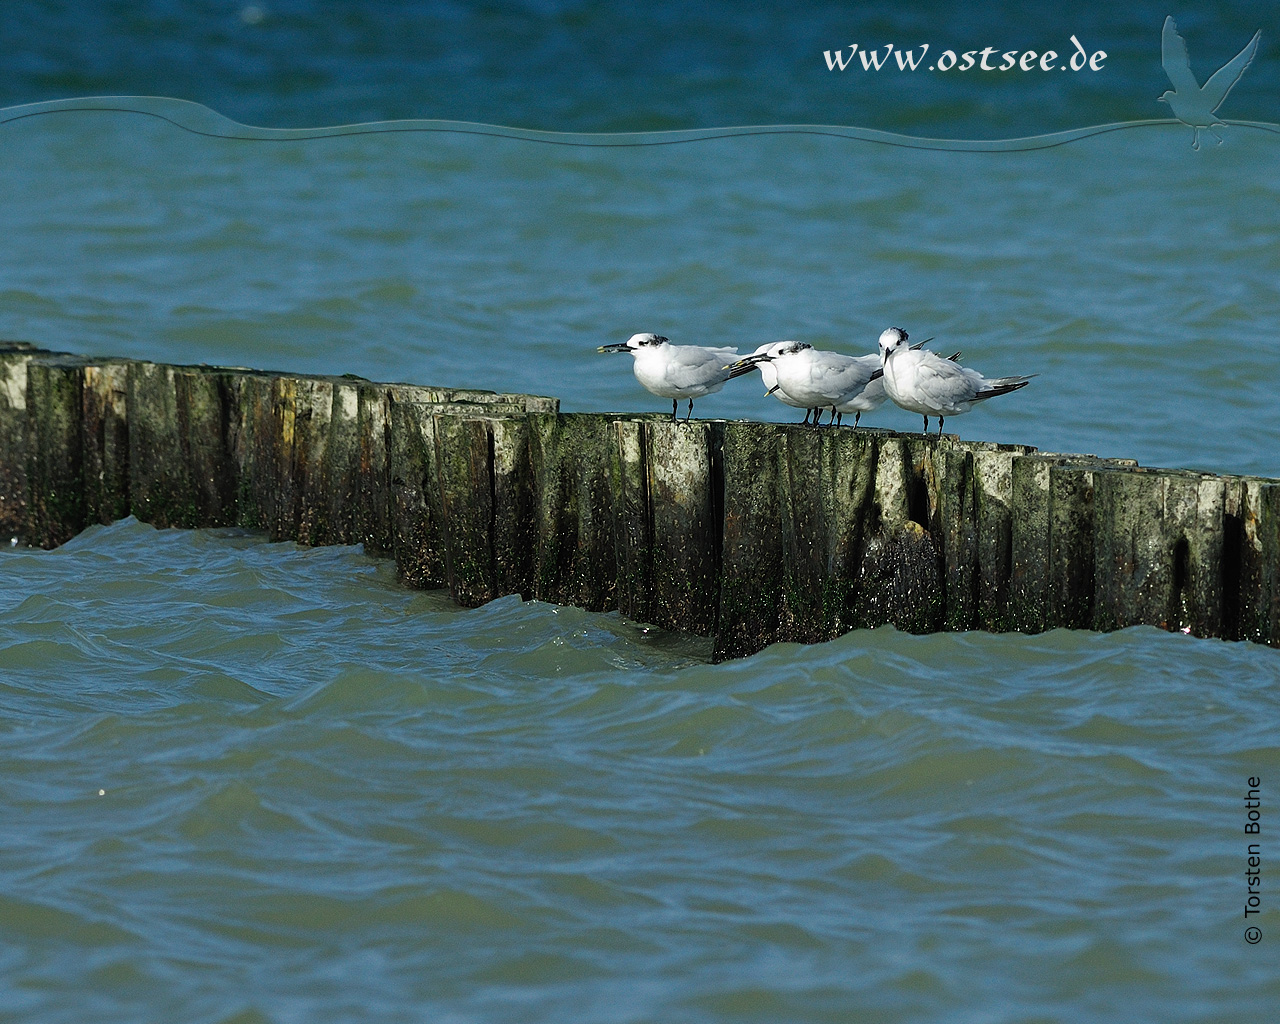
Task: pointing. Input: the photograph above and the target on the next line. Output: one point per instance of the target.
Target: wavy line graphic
(200, 120)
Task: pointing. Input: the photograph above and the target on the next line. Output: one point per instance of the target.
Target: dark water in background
(560, 65)
(325, 797)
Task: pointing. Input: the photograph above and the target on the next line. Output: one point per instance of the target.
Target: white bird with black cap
(924, 382)
(809, 378)
(762, 360)
(676, 371)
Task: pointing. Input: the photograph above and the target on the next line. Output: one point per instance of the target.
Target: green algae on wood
(105, 422)
(14, 358)
(632, 520)
(901, 574)
(54, 450)
(684, 524)
(752, 558)
(571, 459)
(417, 516)
(181, 469)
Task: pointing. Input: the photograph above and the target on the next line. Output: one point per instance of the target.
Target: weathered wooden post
(417, 516)
(1251, 584)
(684, 523)
(574, 562)
(827, 509)
(14, 447)
(1158, 542)
(306, 477)
(902, 577)
(747, 532)
(957, 530)
(513, 538)
(105, 441)
(1052, 542)
(55, 449)
(181, 472)
(250, 434)
(632, 521)
(753, 563)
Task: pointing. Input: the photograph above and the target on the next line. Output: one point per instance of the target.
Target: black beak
(745, 365)
(619, 347)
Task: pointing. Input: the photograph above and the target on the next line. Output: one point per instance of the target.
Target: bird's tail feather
(1002, 386)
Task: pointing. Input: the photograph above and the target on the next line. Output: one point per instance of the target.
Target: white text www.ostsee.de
(989, 58)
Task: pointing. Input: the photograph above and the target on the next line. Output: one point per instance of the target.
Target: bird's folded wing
(693, 360)
(945, 382)
(836, 377)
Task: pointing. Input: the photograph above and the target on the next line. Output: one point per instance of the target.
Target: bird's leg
(857, 416)
(839, 418)
(939, 426)
(1215, 135)
(817, 417)
(674, 402)
(690, 412)
(1195, 139)
(926, 424)
(805, 422)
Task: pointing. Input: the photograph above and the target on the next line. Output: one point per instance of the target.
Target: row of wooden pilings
(746, 532)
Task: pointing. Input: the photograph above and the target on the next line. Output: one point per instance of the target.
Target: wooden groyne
(746, 532)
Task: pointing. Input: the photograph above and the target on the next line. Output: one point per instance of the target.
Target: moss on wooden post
(339, 471)
(827, 486)
(463, 466)
(684, 524)
(1069, 558)
(824, 531)
(993, 476)
(282, 504)
(958, 532)
(250, 431)
(1029, 584)
(14, 357)
(511, 477)
(181, 471)
(632, 522)
(574, 561)
(105, 421)
(1158, 549)
(417, 517)
(753, 562)
(1251, 561)
(307, 479)
(901, 575)
(55, 461)
(372, 518)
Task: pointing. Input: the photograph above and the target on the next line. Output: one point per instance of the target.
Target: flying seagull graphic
(1192, 104)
